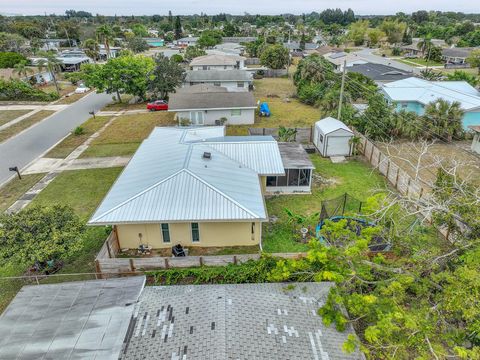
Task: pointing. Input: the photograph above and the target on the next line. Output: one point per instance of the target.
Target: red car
(157, 105)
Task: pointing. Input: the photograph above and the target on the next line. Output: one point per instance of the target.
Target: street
(368, 55)
(32, 143)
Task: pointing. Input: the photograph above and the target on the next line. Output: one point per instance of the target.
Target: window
(253, 231)
(195, 233)
(225, 67)
(191, 83)
(282, 180)
(217, 83)
(236, 112)
(196, 117)
(240, 84)
(404, 105)
(205, 67)
(320, 138)
(271, 181)
(165, 233)
(304, 179)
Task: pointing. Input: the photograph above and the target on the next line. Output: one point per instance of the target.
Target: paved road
(368, 55)
(29, 145)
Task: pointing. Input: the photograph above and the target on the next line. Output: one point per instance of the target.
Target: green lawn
(24, 124)
(15, 188)
(69, 144)
(126, 133)
(353, 177)
(9, 115)
(420, 62)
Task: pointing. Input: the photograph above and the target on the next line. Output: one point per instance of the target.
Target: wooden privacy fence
(303, 135)
(126, 265)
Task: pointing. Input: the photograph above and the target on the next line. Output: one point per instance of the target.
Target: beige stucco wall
(263, 184)
(211, 234)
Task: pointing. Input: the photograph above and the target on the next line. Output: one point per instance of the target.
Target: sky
(186, 7)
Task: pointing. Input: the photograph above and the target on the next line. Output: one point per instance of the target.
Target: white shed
(332, 137)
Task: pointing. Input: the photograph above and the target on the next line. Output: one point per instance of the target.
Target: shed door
(338, 146)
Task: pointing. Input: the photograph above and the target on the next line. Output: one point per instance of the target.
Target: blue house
(155, 42)
(413, 94)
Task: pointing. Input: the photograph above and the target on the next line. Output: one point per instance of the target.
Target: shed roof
(294, 156)
(73, 320)
(218, 75)
(206, 96)
(239, 321)
(424, 92)
(169, 180)
(331, 124)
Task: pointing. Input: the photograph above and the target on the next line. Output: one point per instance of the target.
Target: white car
(81, 89)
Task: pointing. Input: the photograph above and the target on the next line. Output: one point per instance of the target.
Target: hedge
(22, 91)
(10, 59)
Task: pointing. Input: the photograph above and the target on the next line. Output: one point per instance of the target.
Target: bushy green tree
(444, 119)
(275, 57)
(358, 32)
(165, 77)
(459, 75)
(474, 59)
(137, 44)
(209, 38)
(194, 51)
(10, 59)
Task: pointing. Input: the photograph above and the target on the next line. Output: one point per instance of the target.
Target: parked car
(157, 105)
(81, 89)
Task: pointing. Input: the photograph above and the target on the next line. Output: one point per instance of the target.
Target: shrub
(74, 77)
(79, 131)
(177, 58)
(22, 91)
(10, 59)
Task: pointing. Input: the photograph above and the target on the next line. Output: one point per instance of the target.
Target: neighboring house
(69, 60)
(456, 55)
(233, 80)
(230, 48)
(413, 49)
(414, 94)
(104, 55)
(39, 77)
(155, 42)
(194, 187)
(379, 73)
(265, 321)
(239, 39)
(121, 318)
(217, 62)
(55, 44)
(332, 137)
(186, 41)
(338, 59)
(211, 105)
(476, 139)
(298, 171)
(72, 320)
(294, 46)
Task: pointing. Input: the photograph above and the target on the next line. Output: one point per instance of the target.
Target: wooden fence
(304, 135)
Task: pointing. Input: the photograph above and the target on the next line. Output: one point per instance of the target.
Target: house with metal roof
(339, 59)
(194, 187)
(233, 80)
(207, 104)
(218, 61)
(379, 73)
(413, 94)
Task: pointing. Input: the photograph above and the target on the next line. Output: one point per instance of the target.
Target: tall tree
(92, 49)
(52, 65)
(474, 59)
(166, 76)
(178, 28)
(444, 119)
(22, 70)
(105, 35)
(275, 57)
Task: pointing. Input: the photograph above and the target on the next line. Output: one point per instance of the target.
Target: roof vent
(207, 155)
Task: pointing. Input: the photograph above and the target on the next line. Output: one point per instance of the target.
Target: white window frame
(194, 117)
(236, 112)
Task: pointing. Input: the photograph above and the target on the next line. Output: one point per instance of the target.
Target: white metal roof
(331, 124)
(424, 92)
(169, 180)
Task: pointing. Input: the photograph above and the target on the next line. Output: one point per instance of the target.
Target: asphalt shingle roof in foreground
(244, 321)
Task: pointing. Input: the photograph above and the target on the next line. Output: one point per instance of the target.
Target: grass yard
(124, 105)
(71, 99)
(405, 153)
(472, 71)
(353, 177)
(11, 191)
(69, 144)
(419, 62)
(9, 115)
(64, 88)
(24, 124)
(126, 133)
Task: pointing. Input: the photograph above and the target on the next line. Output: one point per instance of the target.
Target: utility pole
(341, 90)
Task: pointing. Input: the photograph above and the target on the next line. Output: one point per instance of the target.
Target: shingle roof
(294, 156)
(71, 320)
(206, 96)
(169, 180)
(424, 92)
(241, 321)
(218, 75)
(330, 124)
(379, 72)
(296, 45)
(216, 60)
(457, 52)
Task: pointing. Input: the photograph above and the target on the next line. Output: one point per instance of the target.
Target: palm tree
(21, 69)
(52, 65)
(424, 44)
(445, 119)
(105, 35)
(92, 49)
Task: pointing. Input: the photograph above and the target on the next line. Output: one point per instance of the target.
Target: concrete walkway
(45, 165)
(122, 112)
(53, 107)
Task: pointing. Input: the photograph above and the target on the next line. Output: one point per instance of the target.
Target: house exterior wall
(471, 118)
(213, 67)
(211, 234)
(247, 116)
(230, 85)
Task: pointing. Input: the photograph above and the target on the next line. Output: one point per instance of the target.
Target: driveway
(35, 141)
(368, 55)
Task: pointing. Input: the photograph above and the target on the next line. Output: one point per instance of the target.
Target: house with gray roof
(192, 186)
(218, 61)
(233, 80)
(379, 73)
(206, 104)
(239, 321)
(456, 55)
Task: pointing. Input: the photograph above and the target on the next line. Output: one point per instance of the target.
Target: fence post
(365, 146)
(108, 250)
(200, 260)
(408, 185)
(388, 170)
(166, 263)
(379, 160)
(371, 154)
(396, 178)
(132, 265)
(98, 269)
(235, 259)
